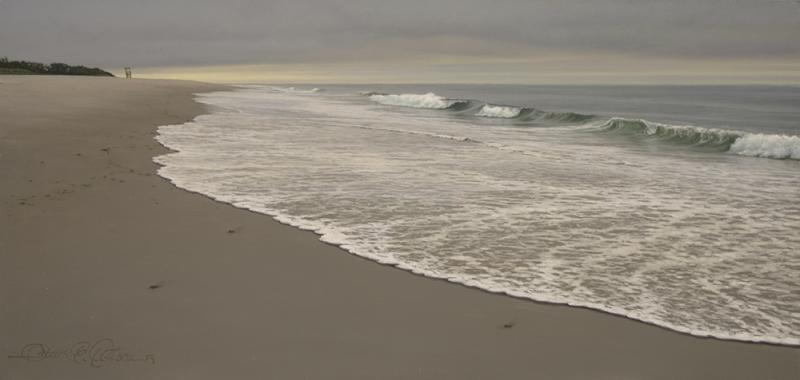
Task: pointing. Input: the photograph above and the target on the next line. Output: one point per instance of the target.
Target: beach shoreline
(100, 247)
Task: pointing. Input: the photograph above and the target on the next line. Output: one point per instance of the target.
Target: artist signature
(94, 354)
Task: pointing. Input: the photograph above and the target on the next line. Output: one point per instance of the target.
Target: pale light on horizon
(565, 70)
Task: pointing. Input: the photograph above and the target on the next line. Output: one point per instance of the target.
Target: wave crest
(767, 146)
(488, 110)
(295, 90)
(723, 140)
(735, 142)
(429, 100)
(567, 117)
(503, 112)
(686, 134)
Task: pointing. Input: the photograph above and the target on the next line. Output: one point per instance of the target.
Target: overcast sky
(414, 40)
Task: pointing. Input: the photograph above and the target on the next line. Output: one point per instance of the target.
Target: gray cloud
(115, 33)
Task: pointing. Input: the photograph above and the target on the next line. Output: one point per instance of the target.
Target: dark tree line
(25, 67)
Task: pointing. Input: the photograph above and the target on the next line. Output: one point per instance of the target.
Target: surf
(477, 108)
(731, 141)
(429, 100)
(446, 194)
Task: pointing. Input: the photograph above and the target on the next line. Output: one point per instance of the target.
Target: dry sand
(94, 245)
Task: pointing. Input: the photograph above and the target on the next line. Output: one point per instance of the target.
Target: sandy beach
(110, 272)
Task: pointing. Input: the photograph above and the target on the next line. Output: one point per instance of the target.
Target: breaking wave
(686, 134)
(295, 90)
(429, 100)
(502, 112)
(566, 117)
(767, 146)
(487, 110)
(736, 142)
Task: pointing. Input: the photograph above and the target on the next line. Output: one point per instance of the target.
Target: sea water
(677, 206)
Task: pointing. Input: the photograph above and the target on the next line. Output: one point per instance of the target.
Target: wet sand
(164, 284)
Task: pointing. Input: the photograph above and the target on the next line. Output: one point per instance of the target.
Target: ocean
(678, 206)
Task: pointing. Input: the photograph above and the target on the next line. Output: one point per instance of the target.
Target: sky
(414, 41)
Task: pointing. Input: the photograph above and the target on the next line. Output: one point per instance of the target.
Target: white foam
(429, 100)
(295, 90)
(692, 245)
(503, 112)
(767, 146)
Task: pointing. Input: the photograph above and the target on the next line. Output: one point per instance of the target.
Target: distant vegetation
(36, 68)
